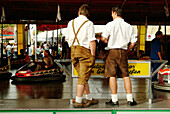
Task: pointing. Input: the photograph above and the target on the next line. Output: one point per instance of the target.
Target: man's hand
(131, 46)
(93, 47)
(160, 57)
(104, 39)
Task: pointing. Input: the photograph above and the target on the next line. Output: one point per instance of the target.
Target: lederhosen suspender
(75, 33)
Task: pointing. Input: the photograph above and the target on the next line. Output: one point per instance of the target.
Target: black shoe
(113, 103)
(129, 103)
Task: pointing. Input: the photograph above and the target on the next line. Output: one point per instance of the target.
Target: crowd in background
(62, 51)
(10, 50)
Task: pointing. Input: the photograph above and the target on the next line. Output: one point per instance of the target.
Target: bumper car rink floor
(57, 95)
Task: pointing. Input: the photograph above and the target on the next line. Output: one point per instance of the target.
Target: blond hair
(84, 10)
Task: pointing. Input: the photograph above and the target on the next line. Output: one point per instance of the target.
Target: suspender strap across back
(75, 33)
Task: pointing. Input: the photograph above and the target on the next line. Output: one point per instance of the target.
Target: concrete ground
(56, 96)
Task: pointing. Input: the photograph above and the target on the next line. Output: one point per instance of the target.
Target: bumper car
(17, 63)
(164, 80)
(27, 74)
(4, 72)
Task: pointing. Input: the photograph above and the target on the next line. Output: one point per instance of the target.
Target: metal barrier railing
(151, 74)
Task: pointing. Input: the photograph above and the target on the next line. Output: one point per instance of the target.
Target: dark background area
(45, 11)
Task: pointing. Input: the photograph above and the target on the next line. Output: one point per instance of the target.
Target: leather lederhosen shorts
(83, 62)
(116, 63)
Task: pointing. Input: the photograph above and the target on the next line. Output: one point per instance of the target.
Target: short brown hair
(84, 10)
(158, 33)
(118, 10)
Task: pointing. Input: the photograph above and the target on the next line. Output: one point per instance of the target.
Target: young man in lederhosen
(121, 34)
(81, 39)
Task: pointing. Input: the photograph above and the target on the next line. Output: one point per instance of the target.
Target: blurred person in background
(8, 49)
(156, 52)
(15, 50)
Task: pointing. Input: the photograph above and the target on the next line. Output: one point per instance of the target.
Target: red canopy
(49, 27)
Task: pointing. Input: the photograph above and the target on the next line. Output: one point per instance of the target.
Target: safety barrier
(137, 69)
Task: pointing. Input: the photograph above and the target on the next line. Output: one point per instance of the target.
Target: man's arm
(93, 47)
(160, 57)
(131, 46)
(104, 39)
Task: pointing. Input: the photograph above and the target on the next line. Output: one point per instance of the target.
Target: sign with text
(137, 69)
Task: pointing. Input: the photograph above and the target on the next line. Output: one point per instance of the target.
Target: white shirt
(8, 47)
(121, 33)
(30, 51)
(38, 51)
(85, 35)
(45, 47)
(14, 47)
